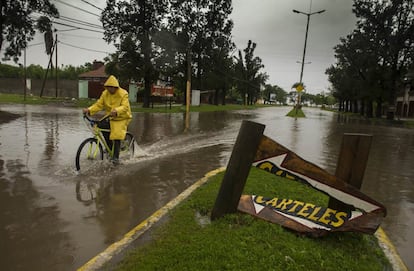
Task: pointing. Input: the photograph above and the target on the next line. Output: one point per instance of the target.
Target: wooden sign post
(352, 162)
(238, 168)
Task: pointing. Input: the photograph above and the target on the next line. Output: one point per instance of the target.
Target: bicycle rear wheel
(88, 153)
(128, 146)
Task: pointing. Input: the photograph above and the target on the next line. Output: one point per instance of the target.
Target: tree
(373, 59)
(9, 71)
(133, 24)
(390, 24)
(201, 30)
(249, 79)
(38, 72)
(354, 74)
(281, 95)
(17, 26)
(126, 63)
(217, 64)
(45, 26)
(71, 72)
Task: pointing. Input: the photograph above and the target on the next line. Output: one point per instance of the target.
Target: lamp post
(306, 39)
(306, 36)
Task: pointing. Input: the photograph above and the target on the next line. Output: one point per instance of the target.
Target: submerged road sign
(365, 214)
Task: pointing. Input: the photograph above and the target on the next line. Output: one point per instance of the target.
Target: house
(91, 83)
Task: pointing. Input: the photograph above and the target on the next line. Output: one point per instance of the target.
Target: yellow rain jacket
(118, 101)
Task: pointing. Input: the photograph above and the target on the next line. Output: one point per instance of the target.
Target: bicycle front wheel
(88, 153)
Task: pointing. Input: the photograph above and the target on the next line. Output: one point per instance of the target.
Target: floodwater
(46, 224)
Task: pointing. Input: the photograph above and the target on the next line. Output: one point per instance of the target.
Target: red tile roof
(98, 73)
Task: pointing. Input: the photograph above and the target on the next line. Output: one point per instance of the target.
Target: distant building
(91, 83)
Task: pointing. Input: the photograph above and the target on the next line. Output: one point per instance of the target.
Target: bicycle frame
(97, 132)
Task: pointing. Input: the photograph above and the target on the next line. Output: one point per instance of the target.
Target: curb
(390, 251)
(97, 262)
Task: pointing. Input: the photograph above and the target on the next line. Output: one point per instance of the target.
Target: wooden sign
(365, 214)
(163, 91)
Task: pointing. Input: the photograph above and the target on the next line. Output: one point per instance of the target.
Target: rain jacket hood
(111, 82)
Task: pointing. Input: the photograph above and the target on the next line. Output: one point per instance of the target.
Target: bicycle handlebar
(93, 121)
(90, 121)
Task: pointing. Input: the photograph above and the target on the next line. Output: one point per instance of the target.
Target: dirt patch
(7, 116)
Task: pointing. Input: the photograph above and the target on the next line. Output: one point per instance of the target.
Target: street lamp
(306, 35)
(306, 39)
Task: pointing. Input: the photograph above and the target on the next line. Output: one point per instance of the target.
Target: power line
(72, 20)
(67, 19)
(82, 48)
(82, 36)
(75, 7)
(78, 28)
(75, 21)
(92, 5)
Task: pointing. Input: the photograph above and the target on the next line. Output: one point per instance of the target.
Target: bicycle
(93, 148)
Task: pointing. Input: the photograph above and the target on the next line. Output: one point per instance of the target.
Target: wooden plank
(352, 161)
(238, 168)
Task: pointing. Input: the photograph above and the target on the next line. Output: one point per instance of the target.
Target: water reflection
(30, 227)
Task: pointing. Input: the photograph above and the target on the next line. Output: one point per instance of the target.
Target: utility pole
(306, 39)
(56, 64)
(25, 75)
(188, 90)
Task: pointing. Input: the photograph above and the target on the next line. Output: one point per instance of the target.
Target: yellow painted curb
(390, 251)
(104, 257)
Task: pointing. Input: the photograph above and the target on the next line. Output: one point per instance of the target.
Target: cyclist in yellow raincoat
(114, 101)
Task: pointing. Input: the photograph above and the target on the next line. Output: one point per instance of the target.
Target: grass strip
(296, 113)
(189, 241)
(135, 107)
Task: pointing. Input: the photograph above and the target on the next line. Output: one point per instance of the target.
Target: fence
(65, 88)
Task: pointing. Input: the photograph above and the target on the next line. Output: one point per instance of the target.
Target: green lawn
(242, 242)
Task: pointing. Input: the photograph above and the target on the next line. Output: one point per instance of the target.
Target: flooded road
(47, 224)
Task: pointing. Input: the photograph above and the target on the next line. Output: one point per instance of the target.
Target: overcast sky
(278, 32)
(280, 36)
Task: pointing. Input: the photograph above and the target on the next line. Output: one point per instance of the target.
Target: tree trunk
(199, 70)
(378, 110)
(362, 109)
(369, 109)
(393, 86)
(223, 96)
(355, 106)
(216, 97)
(147, 91)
